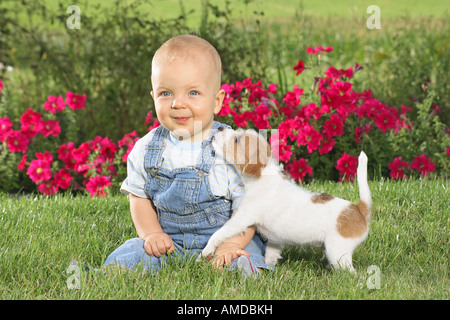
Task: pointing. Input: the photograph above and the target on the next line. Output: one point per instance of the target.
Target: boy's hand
(158, 243)
(227, 252)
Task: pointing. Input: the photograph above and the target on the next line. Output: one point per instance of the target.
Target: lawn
(404, 257)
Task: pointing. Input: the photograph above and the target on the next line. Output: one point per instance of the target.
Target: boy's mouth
(181, 119)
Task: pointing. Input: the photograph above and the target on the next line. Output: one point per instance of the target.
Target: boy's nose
(177, 104)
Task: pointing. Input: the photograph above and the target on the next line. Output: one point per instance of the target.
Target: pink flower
(46, 156)
(62, 179)
(260, 116)
(75, 101)
(5, 128)
(50, 127)
(31, 123)
(96, 186)
(423, 165)
(299, 67)
(397, 168)
(280, 149)
(39, 170)
(299, 169)
(65, 154)
(17, 141)
(1, 86)
(347, 166)
(318, 49)
(310, 137)
(128, 141)
(22, 163)
(48, 188)
(54, 104)
(447, 150)
(292, 98)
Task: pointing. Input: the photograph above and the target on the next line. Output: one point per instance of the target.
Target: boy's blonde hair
(188, 45)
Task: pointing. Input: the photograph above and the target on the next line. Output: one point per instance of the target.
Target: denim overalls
(187, 210)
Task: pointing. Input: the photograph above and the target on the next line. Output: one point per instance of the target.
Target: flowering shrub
(315, 134)
(336, 122)
(91, 166)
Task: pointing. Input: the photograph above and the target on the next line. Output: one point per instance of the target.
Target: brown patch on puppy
(321, 198)
(256, 154)
(352, 222)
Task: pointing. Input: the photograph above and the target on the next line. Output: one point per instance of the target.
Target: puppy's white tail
(365, 199)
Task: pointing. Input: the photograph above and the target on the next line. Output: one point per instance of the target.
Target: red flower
(39, 170)
(96, 186)
(423, 165)
(65, 154)
(299, 67)
(347, 166)
(292, 98)
(333, 73)
(318, 49)
(334, 126)
(31, 123)
(22, 163)
(327, 143)
(5, 128)
(280, 149)
(54, 104)
(260, 116)
(385, 120)
(46, 156)
(397, 168)
(447, 150)
(128, 141)
(17, 141)
(360, 130)
(48, 188)
(50, 127)
(310, 137)
(240, 119)
(75, 101)
(299, 169)
(62, 179)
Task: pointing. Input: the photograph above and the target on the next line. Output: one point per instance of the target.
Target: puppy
(285, 213)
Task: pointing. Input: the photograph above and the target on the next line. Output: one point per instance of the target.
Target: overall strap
(208, 155)
(155, 148)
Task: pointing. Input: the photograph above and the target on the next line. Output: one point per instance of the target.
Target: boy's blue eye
(194, 93)
(165, 93)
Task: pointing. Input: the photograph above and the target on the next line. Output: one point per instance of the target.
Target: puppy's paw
(272, 258)
(208, 250)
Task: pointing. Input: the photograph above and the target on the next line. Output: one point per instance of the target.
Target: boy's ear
(153, 96)
(219, 101)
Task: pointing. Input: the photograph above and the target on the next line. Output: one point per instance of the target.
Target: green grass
(408, 241)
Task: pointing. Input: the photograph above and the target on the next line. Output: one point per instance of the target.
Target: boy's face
(187, 95)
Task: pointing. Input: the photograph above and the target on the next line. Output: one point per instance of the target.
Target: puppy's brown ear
(253, 170)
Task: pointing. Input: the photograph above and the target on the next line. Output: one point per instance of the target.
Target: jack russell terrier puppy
(285, 213)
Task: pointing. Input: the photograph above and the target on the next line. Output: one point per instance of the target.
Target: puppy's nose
(220, 128)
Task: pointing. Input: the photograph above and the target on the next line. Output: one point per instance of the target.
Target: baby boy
(180, 192)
